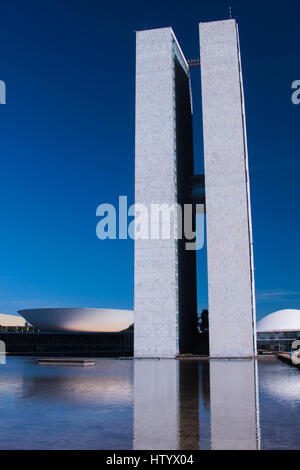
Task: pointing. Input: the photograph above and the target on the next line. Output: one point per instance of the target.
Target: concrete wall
(155, 297)
(230, 282)
(162, 95)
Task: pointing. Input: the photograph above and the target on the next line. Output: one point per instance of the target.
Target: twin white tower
(165, 296)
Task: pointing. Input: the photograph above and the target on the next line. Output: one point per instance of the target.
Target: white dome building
(7, 320)
(277, 331)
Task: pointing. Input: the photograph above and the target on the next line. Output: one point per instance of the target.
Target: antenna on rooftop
(230, 12)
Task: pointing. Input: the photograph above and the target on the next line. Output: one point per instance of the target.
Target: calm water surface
(150, 404)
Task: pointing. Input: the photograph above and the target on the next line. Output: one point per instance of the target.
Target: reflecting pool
(150, 404)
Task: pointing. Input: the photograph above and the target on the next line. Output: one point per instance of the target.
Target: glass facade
(185, 276)
(276, 340)
(73, 344)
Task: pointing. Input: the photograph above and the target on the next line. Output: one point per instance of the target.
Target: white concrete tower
(164, 273)
(229, 231)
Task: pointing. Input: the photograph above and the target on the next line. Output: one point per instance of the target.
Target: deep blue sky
(67, 144)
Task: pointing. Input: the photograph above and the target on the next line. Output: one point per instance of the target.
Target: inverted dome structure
(282, 320)
(84, 320)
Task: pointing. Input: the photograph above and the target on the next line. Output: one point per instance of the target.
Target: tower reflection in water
(234, 405)
(155, 404)
(146, 404)
(191, 404)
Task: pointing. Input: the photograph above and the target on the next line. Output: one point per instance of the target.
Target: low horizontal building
(87, 332)
(277, 331)
(69, 344)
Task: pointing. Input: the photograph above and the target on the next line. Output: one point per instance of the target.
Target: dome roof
(11, 320)
(283, 320)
